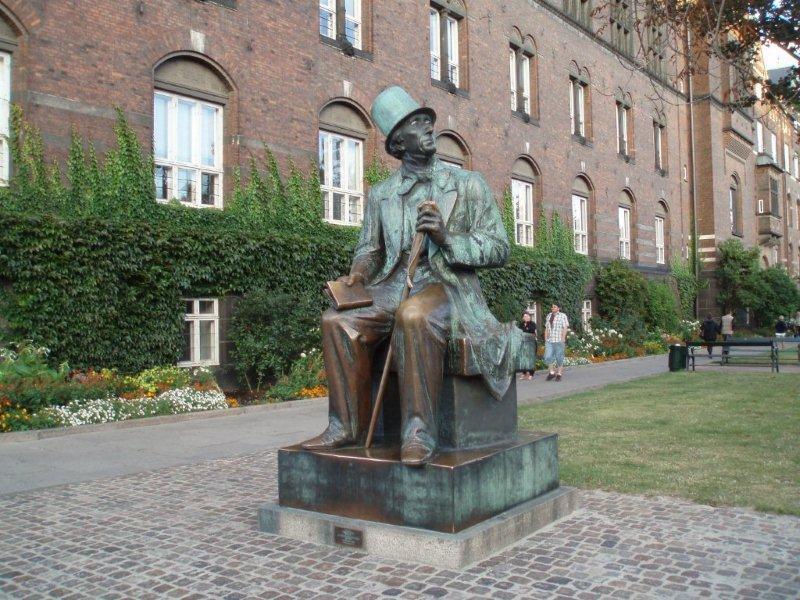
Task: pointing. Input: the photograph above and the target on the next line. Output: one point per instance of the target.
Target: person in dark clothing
(709, 329)
(781, 327)
(528, 326)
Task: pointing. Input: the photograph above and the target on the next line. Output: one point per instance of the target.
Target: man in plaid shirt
(555, 337)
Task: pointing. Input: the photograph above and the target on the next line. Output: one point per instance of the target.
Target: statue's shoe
(415, 454)
(327, 440)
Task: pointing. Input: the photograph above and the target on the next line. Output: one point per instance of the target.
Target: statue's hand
(429, 220)
(352, 279)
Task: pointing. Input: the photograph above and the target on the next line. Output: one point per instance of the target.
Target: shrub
(688, 286)
(662, 306)
(307, 374)
(621, 293)
(270, 330)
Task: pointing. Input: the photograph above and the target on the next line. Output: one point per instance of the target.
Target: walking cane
(416, 253)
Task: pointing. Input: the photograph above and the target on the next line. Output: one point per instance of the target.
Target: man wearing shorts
(555, 337)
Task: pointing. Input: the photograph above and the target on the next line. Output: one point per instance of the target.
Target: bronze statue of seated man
(464, 231)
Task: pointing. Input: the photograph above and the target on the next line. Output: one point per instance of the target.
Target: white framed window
(187, 145)
(580, 224)
(5, 115)
(760, 206)
(341, 178)
(624, 232)
(522, 193)
(577, 107)
(435, 39)
(452, 50)
(327, 18)
(786, 164)
(622, 129)
(512, 76)
(660, 250)
(796, 166)
(658, 137)
(773, 146)
(586, 314)
(352, 22)
(520, 76)
(200, 333)
(347, 15)
(759, 137)
(774, 255)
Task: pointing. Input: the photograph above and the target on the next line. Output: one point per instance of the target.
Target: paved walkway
(190, 532)
(111, 452)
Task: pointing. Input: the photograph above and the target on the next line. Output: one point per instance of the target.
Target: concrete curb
(43, 434)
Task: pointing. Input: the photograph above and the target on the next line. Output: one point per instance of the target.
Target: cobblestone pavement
(190, 532)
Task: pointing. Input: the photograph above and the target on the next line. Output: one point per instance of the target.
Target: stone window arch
(189, 122)
(524, 192)
(344, 131)
(582, 199)
(452, 149)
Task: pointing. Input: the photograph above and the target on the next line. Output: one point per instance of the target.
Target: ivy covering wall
(93, 268)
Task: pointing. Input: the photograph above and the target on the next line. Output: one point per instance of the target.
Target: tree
(737, 275)
(699, 33)
(778, 295)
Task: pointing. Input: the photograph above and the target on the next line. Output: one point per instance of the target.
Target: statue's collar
(435, 173)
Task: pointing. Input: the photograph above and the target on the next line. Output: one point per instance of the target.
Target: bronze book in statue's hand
(345, 296)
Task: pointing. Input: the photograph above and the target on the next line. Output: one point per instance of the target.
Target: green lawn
(716, 438)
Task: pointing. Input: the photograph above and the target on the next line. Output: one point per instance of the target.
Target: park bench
(733, 343)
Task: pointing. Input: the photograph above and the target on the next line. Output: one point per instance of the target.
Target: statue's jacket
(477, 238)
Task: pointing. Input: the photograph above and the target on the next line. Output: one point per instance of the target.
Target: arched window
(580, 104)
(522, 75)
(627, 225)
(660, 143)
(624, 125)
(735, 206)
(189, 102)
(8, 44)
(448, 43)
(662, 232)
(523, 186)
(581, 194)
(452, 150)
(343, 130)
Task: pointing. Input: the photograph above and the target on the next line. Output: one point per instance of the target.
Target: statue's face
(415, 136)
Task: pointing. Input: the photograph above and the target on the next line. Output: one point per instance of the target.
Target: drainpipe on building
(693, 187)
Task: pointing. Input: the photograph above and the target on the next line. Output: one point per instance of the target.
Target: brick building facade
(542, 93)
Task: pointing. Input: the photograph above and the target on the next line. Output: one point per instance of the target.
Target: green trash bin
(677, 357)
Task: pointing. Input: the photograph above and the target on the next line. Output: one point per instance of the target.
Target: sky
(775, 57)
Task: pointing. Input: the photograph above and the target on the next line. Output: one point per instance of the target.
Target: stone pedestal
(456, 491)
(410, 544)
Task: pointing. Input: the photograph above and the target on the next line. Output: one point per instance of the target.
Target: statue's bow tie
(410, 178)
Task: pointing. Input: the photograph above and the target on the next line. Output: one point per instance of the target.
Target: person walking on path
(727, 332)
(708, 331)
(555, 337)
(528, 326)
(780, 329)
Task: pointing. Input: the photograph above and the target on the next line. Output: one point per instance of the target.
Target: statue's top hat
(393, 106)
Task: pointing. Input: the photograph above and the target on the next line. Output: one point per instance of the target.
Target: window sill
(346, 48)
(525, 117)
(626, 158)
(449, 87)
(340, 223)
(582, 140)
(224, 3)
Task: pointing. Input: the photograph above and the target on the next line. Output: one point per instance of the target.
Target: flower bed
(106, 410)
(36, 395)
